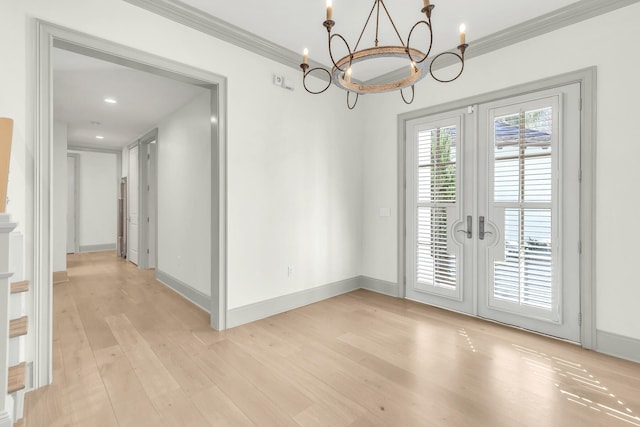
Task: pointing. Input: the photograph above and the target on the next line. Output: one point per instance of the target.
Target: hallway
(130, 352)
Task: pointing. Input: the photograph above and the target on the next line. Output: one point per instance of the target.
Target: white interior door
(151, 204)
(132, 206)
(493, 211)
(71, 205)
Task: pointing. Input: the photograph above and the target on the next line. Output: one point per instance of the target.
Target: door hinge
(148, 156)
(580, 175)
(147, 219)
(147, 251)
(148, 188)
(579, 319)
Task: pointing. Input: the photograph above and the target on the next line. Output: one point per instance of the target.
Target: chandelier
(419, 62)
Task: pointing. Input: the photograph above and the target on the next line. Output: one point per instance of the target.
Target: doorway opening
(50, 37)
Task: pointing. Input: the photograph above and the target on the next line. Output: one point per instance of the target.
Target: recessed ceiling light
(99, 137)
(110, 100)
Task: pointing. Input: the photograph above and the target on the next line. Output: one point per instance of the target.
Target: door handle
(468, 230)
(481, 231)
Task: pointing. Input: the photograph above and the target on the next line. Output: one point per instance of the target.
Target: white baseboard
(259, 310)
(195, 296)
(97, 248)
(379, 286)
(618, 346)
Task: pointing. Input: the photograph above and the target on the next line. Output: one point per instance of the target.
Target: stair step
(18, 287)
(18, 327)
(16, 377)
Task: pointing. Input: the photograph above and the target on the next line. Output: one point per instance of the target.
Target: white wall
(97, 199)
(184, 194)
(602, 41)
(60, 196)
(294, 160)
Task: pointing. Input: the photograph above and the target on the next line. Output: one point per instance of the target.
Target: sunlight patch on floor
(581, 384)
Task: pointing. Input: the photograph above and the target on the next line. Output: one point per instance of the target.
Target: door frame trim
(44, 37)
(78, 156)
(587, 78)
(143, 200)
(76, 199)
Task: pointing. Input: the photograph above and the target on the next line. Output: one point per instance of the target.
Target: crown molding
(95, 149)
(563, 17)
(201, 21)
(216, 27)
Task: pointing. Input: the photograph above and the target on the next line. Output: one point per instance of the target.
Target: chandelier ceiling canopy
(419, 63)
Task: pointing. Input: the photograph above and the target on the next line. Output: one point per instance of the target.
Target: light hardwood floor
(130, 352)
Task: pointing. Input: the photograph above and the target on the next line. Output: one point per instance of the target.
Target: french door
(493, 211)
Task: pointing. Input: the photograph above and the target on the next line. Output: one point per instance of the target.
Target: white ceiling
(296, 24)
(80, 84)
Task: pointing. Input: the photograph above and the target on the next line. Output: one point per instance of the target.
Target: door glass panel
(436, 189)
(523, 187)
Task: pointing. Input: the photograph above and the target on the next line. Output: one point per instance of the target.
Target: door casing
(39, 141)
(76, 224)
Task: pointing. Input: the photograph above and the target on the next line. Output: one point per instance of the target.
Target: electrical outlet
(278, 80)
(289, 271)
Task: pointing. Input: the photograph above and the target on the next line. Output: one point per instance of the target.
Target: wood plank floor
(129, 352)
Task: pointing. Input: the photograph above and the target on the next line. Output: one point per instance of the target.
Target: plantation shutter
(523, 187)
(436, 191)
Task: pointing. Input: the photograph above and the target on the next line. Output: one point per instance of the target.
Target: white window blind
(436, 190)
(523, 177)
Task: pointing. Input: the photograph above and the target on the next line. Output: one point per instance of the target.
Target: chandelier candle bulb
(329, 10)
(305, 56)
(426, 3)
(349, 75)
(463, 30)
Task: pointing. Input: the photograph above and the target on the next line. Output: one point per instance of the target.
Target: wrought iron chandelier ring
(342, 79)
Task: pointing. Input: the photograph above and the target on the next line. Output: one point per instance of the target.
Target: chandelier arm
(351, 107)
(306, 72)
(413, 94)
(366, 24)
(331, 52)
(392, 23)
(426, 55)
(459, 56)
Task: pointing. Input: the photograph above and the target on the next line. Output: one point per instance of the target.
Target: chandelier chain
(392, 23)
(365, 26)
